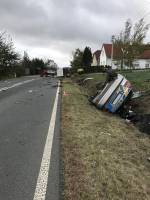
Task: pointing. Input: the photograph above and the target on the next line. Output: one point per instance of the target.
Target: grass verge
(103, 157)
(140, 79)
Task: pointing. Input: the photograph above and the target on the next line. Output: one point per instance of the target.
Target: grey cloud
(19, 16)
(66, 24)
(64, 20)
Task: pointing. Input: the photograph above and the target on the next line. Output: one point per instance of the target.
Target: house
(96, 58)
(142, 61)
(105, 56)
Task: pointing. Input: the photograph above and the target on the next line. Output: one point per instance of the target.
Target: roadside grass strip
(103, 156)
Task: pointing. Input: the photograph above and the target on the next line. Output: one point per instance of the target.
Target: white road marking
(16, 84)
(42, 181)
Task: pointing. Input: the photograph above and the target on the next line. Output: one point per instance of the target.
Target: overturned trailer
(114, 94)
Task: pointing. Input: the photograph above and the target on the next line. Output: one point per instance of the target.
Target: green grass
(139, 79)
(98, 76)
(104, 158)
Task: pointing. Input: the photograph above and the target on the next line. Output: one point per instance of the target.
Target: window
(136, 65)
(146, 65)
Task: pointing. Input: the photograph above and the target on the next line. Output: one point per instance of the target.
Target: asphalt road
(25, 113)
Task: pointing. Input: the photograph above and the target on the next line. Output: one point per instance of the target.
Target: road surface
(29, 161)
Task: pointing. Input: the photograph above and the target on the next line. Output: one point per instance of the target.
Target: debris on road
(56, 85)
(4, 89)
(138, 94)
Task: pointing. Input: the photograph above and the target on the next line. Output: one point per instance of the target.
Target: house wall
(103, 58)
(94, 62)
(141, 63)
(106, 61)
(109, 63)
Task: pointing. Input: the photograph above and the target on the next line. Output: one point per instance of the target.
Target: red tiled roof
(108, 49)
(145, 55)
(117, 51)
(97, 54)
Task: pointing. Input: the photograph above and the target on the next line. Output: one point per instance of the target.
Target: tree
(8, 56)
(140, 30)
(9, 59)
(36, 66)
(50, 64)
(130, 41)
(76, 62)
(26, 60)
(87, 57)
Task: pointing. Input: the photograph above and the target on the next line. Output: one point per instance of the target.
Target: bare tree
(130, 41)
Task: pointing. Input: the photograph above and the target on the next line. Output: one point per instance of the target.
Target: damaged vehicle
(117, 90)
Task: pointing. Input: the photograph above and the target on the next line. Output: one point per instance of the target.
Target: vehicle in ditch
(114, 94)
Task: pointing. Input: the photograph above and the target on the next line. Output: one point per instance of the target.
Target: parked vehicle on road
(47, 73)
(60, 72)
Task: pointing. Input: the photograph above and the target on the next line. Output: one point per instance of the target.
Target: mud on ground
(141, 107)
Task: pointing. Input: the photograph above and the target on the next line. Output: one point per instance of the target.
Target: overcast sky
(54, 28)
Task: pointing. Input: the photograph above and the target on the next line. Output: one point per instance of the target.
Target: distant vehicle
(67, 71)
(47, 73)
(60, 72)
(43, 73)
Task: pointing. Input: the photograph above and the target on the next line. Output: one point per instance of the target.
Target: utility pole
(112, 50)
(122, 58)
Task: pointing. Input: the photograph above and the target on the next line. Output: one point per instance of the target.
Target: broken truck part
(114, 94)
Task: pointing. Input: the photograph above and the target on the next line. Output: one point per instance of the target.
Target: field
(103, 157)
(139, 79)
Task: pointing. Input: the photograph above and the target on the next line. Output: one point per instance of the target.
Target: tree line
(12, 64)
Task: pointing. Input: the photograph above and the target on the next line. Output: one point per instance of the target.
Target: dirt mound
(143, 123)
(93, 87)
(142, 105)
